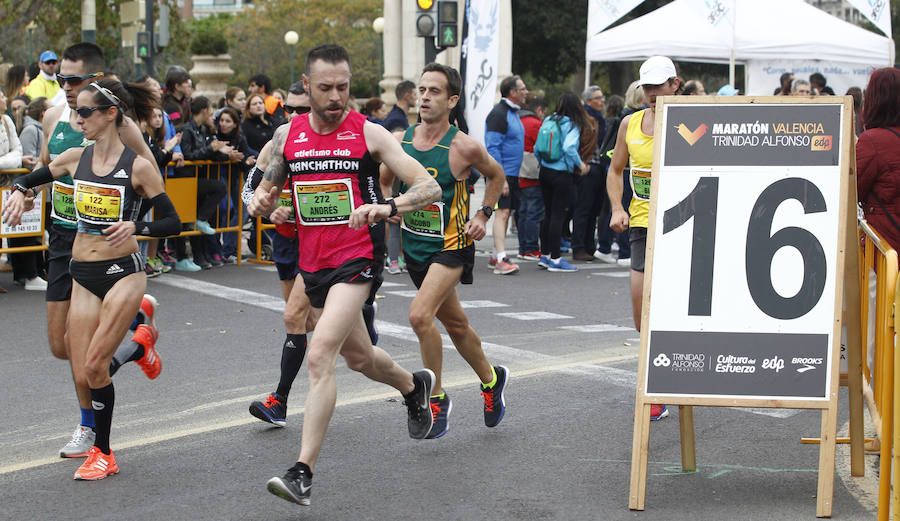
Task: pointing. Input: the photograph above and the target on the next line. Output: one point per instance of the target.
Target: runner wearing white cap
(634, 146)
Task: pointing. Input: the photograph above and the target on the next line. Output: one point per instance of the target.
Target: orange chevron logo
(692, 136)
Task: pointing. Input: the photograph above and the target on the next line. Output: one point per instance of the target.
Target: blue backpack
(548, 145)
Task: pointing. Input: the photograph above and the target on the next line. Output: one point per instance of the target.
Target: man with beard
(331, 156)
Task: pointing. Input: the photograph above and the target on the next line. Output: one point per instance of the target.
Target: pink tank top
(330, 176)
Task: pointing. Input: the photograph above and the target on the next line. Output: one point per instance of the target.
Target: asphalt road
(188, 449)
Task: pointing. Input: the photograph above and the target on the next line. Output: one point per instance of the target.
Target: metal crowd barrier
(6, 178)
(878, 379)
(182, 190)
(261, 256)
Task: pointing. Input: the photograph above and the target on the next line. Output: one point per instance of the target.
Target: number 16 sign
(742, 296)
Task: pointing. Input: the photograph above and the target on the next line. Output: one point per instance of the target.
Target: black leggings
(557, 190)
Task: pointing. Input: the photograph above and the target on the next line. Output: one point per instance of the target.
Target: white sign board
(31, 220)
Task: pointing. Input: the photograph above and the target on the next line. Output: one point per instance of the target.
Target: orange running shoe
(97, 465)
(148, 311)
(150, 363)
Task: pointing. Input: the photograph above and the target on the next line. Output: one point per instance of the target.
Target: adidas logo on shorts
(115, 268)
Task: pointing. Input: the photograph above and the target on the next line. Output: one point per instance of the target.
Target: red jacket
(878, 172)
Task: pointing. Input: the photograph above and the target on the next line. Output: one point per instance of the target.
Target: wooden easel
(848, 281)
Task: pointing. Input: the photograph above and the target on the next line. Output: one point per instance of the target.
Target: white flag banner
(878, 11)
(482, 54)
(603, 13)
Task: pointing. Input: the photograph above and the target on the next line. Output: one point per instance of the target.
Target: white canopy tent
(788, 33)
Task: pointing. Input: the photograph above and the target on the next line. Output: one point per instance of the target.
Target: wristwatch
(486, 210)
(393, 207)
(22, 189)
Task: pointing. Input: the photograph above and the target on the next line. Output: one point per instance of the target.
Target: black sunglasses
(85, 112)
(76, 79)
(299, 109)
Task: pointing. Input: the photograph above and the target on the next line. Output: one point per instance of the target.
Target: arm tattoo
(423, 191)
(276, 172)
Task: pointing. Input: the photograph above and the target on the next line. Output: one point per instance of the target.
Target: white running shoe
(81, 442)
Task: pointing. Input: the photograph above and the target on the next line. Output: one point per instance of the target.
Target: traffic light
(448, 32)
(143, 44)
(426, 23)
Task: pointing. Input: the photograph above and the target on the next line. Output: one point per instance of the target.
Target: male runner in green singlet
(439, 240)
(81, 64)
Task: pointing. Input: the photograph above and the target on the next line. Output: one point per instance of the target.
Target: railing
(182, 190)
(6, 177)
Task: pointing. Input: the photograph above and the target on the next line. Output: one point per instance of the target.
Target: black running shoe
(273, 410)
(418, 404)
(440, 411)
(295, 486)
(494, 403)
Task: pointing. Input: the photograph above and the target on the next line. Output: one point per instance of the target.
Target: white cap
(656, 71)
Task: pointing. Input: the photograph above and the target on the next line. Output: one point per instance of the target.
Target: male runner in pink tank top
(331, 158)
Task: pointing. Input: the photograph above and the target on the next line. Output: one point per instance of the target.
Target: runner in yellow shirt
(634, 146)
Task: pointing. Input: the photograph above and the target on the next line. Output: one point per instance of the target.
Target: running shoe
(231, 259)
(159, 265)
(544, 262)
(440, 412)
(494, 402)
(626, 262)
(504, 267)
(205, 228)
(529, 256)
(97, 465)
(565, 246)
(394, 267)
(186, 265)
(216, 260)
(295, 486)
(273, 410)
(203, 262)
(81, 442)
(609, 258)
(561, 266)
(658, 412)
(492, 261)
(147, 311)
(150, 272)
(165, 257)
(418, 404)
(150, 363)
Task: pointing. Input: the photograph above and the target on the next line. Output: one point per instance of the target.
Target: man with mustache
(331, 155)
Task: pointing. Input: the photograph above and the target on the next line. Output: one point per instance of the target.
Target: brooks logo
(806, 368)
(115, 268)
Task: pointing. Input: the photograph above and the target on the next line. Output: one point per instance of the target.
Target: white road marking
(612, 375)
(616, 274)
(265, 267)
(597, 328)
(466, 304)
(533, 315)
(387, 284)
(411, 293)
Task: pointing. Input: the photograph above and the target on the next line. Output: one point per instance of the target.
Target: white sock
(500, 255)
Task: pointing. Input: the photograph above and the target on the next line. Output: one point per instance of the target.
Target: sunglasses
(85, 112)
(298, 109)
(76, 79)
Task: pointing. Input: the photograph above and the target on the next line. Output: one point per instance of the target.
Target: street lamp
(291, 38)
(31, 27)
(378, 27)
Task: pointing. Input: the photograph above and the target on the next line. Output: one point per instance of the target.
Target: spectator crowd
(553, 204)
